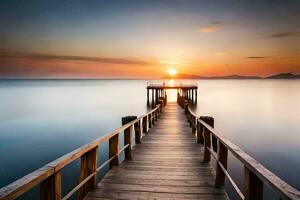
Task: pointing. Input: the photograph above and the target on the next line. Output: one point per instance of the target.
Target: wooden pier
(171, 160)
(166, 165)
(158, 91)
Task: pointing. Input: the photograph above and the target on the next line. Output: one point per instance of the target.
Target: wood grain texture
(166, 165)
(88, 166)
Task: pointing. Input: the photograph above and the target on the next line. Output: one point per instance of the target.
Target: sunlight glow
(172, 72)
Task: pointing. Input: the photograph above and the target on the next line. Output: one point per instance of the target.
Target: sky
(144, 39)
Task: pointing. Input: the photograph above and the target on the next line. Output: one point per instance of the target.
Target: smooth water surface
(41, 120)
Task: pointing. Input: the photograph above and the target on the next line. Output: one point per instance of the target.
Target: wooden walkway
(166, 165)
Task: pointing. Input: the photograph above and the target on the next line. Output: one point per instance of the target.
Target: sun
(172, 72)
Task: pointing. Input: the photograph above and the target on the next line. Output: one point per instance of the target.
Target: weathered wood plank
(167, 164)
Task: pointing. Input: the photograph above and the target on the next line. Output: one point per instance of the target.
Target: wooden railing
(49, 176)
(217, 146)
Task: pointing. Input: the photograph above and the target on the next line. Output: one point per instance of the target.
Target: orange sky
(143, 39)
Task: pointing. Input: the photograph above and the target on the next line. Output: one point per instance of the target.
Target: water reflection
(42, 120)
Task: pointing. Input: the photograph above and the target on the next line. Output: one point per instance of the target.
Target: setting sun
(172, 72)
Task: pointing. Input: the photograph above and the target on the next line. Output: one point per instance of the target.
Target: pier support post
(114, 150)
(88, 166)
(192, 95)
(138, 131)
(128, 135)
(210, 121)
(222, 158)
(145, 124)
(206, 136)
(206, 145)
(253, 186)
(186, 106)
(147, 95)
(50, 188)
(200, 138)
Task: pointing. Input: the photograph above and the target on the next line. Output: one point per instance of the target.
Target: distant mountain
(284, 76)
(234, 76)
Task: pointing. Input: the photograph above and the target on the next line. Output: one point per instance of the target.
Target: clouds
(284, 35)
(45, 57)
(211, 27)
(257, 57)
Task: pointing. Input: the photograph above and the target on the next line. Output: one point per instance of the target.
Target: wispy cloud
(256, 57)
(46, 57)
(211, 27)
(284, 35)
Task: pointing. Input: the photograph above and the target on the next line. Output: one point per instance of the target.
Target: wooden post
(114, 150)
(206, 145)
(200, 138)
(88, 166)
(149, 120)
(186, 106)
(128, 135)
(144, 123)
(161, 102)
(147, 95)
(153, 118)
(222, 158)
(152, 92)
(194, 124)
(192, 95)
(210, 121)
(138, 131)
(253, 186)
(50, 189)
(155, 115)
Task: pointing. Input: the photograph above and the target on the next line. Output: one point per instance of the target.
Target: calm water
(42, 120)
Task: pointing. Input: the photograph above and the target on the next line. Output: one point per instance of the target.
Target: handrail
(255, 173)
(49, 175)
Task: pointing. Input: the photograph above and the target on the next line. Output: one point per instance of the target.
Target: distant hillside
(284, 76)
(234, 76)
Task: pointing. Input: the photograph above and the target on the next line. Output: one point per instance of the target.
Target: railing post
(194, 124)
(222, 158)
(50, 189)
(206, 145)
(138, 131)
(150, 120)
(155, 114)
(161, 102)
(210, 121)
(145, 124)
(114, 150)
(200, 138)
(186, 106)
(88, 166)
(253, 186)
(128, 135)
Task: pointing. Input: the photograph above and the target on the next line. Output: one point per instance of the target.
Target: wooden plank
(134, 195)
(166, 165)
(162, 189)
